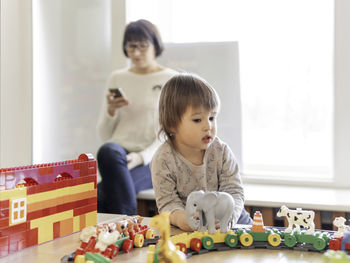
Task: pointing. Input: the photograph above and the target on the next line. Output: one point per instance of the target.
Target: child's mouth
(206, 139)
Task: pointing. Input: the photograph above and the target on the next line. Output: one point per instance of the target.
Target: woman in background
(129, 121)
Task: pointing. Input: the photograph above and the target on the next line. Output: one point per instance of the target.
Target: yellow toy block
(66, 191)
(91, 218)
(76, 223)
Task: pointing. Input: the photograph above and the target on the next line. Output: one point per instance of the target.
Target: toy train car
(197, 241)
(130, 233)
(258, 236)
(201, 242)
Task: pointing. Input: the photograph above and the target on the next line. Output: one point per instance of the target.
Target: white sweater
(135, 126)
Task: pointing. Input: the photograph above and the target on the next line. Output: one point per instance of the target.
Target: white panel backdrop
(218, 63)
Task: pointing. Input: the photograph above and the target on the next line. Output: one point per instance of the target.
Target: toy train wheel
(139, 239)
(150, 234)
(246, 239)
(207, 242)
(182, 247)
(274, 239)
(114, 250)
(319, 243)
(195, 244)
(231, 240)
(127, 245)
(290, 240)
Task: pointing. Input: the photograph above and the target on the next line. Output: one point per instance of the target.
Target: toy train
(103, 242)
(259, 236)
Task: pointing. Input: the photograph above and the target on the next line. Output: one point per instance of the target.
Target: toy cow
(298, 218)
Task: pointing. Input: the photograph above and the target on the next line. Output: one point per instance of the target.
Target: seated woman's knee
(111, 151)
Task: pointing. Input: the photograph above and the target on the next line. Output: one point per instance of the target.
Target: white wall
(220, 67)
(16, 83)
(72, 58)
(342, 93)
(15, 92)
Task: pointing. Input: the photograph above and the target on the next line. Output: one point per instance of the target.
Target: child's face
(196, 130)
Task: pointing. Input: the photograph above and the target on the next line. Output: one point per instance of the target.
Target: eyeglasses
(141, 46)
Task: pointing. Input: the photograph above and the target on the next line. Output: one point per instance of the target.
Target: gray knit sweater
(174, 177)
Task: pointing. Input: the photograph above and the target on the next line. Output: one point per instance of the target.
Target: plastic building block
(41, 202)
(298, 218)
(165, 250)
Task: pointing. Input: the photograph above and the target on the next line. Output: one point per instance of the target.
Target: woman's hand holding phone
(115, 100)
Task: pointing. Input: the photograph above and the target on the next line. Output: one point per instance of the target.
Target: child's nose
(207, 126)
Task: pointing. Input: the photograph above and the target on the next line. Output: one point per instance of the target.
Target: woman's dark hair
(142, 30)
(181, 91)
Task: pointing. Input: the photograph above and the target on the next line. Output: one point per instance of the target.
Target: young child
(192, 157)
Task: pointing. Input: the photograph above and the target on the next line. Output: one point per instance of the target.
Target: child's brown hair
(181, 91)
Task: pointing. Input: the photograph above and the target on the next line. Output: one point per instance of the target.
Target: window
(286, 73)
(18, 210)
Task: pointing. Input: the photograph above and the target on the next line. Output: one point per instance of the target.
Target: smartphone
(117, 92)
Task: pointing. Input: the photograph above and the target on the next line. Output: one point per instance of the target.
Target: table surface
(53, 251)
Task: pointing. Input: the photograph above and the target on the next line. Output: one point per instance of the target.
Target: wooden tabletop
(53, 251)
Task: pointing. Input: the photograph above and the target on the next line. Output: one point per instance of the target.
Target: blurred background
(280, 67)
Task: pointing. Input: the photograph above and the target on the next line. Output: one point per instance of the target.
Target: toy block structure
(42, 202)
(258, 223)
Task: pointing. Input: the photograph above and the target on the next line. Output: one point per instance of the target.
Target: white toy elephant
(210, 206)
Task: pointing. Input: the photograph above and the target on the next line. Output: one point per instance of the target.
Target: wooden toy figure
(167, 251)
(298, 218)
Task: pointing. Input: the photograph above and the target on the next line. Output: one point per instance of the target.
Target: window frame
(18, 210)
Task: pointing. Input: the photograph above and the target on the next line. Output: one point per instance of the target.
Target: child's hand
(217, 224)
(178, 218)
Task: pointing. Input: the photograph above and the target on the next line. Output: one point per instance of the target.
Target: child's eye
(197, 120)
(212, 118)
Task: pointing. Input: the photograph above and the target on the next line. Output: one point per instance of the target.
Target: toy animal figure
(340, 223)
(136, 219)
(122, 227)
(106, 238)
(298, 218)
(88, 232)
(133, 223)
(132, 227)
(210, 206)
(167, 252)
